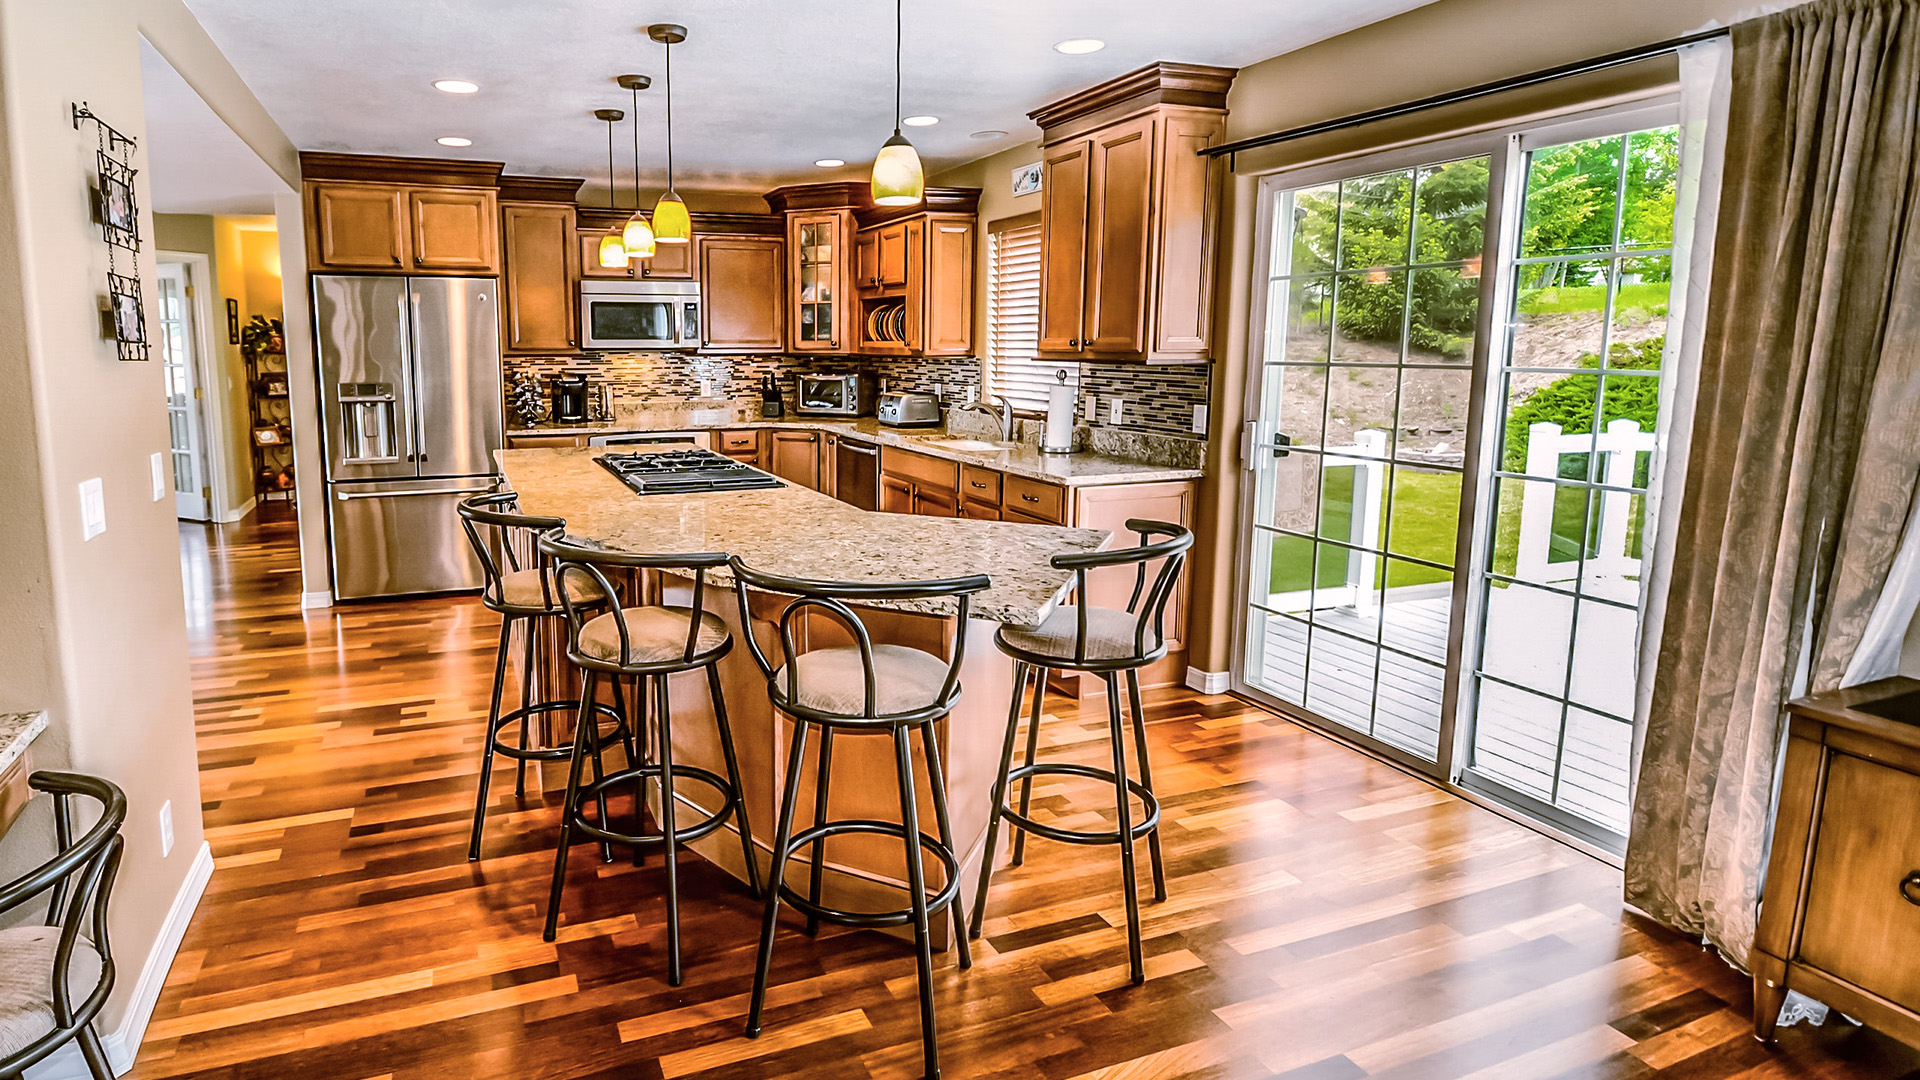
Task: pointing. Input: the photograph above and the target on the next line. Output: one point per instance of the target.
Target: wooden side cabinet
(795, 457)
(742, 294)
(455, 230)
(540, 292)
(1840, 921)
(358, 227)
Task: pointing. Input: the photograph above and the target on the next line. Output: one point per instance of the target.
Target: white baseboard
(316, 599)
(123, 1043)
(1209, 682)
(240, 511)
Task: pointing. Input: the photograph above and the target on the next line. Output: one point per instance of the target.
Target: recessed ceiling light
(456, 86)
(920, 121)
(1079, 46)
(829, 163)
(453, 140)
(990, 133)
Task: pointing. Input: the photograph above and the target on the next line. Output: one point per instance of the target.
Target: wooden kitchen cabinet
(670, 262)
(934, 283)
(539, 293)
(795, 457)
(538, 442)
(867, 259)
(742, 293)
(820, 281)
(1036, 499)
(358, 227)
(1130, 216)
(454, 230)
(891, 260)
(740, 445)
(979, 493)
(913, 483)
(1840, 920)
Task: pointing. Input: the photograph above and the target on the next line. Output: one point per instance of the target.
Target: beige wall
(994, 177)
(94, 630)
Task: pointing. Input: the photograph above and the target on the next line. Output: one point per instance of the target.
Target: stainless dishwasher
(857, 473)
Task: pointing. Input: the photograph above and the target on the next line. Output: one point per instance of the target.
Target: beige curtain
(1803, 446)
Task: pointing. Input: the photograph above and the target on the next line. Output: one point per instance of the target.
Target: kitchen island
(797, 532)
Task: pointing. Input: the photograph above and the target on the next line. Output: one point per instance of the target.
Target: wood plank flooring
(1330, 918)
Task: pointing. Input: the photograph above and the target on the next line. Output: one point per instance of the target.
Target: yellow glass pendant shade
(898, 178)
(613, 253)
(637, 237)
(671, 223)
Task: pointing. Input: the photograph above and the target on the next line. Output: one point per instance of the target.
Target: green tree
(1569, 401)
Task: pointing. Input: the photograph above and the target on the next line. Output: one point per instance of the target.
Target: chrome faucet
(1003, 414)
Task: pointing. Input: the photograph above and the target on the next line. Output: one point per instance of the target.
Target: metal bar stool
(638, 644)
(862, 689)
(1108, 643)
(519, 584)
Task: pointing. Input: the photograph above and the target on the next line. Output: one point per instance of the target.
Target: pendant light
(898, 179)
(613, 253)
(637, 236)
(671, 223)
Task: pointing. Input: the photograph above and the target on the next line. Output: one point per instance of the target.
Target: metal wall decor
(118, 216)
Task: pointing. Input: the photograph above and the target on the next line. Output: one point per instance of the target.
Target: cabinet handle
(1031, 498)
(1910, 887)
(1073, 343)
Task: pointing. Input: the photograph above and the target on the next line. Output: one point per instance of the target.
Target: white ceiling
(762, 87)
(195, 163)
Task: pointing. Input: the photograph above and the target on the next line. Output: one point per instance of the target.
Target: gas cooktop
(678, 472)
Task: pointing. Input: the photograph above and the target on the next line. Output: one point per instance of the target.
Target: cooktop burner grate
(678, 472)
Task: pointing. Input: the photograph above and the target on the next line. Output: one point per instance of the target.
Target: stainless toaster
(908, 408)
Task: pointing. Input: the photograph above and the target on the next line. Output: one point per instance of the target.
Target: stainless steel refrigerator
(410, 385)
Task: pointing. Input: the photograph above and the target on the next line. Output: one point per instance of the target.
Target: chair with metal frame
(862, 689)
(519, 584)
(637, 644)
(40, 964)
(1106, 642)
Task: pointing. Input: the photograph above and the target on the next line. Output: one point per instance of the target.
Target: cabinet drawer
(1035, 498)
(1862, 922)
(979, 485)
(738, 441)
(924, 471)
(535, 442)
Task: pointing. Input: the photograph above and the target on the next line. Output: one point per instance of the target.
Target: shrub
(1569, 401)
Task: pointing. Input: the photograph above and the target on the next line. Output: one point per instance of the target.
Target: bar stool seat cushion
(26, 983)
(656, 634)
(1110, 634)
(521, 589)
(833, 681)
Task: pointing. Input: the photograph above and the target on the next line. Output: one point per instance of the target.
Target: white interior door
(185, 420)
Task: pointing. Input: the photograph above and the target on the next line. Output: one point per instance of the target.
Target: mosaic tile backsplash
(1159, 401)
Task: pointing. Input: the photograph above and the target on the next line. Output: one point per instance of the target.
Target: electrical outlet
(158, 462)
(93, 509)
(1116, 409)
(706, 388)
(1199, 419)
(1093, 408)
(166, 828)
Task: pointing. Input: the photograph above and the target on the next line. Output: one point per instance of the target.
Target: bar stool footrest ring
(553, 753)
(1148, 822)
(589, 793)
(871, 920)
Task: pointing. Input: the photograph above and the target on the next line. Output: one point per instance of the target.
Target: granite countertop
(16, 731)
(798, 532)
(1071, 470)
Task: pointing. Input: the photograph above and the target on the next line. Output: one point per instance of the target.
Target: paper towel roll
(1058, 438)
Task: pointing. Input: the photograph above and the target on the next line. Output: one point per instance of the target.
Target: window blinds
(1013, 318)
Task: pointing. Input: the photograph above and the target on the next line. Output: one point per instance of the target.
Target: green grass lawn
(1643, 295)
(1426, 508)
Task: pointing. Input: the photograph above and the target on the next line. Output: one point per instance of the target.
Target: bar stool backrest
(589, 567)
(1160, 541)
(835, 598)
(503, 540)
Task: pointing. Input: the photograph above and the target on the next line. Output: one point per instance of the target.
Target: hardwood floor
(1330, 917)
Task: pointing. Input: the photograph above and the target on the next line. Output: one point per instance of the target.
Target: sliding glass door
(1452, 447)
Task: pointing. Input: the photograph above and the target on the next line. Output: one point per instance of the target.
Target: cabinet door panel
(935, 502)
(1067, 171)
(818, 297)
(539, 294)
(742, 280)
(589, 240)
(867, 259)
(1859, 923)
(893, 255)
(947, 318)
(1185, 228)
(1110, 508)
(1120, 215)
(454, 230)
(979, 511)
(896, 495)
(796, 457)
(670, 262)
(359, 226)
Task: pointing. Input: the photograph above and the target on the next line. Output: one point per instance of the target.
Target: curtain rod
(1452, 97)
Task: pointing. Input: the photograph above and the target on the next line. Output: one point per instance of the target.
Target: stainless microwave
(639, 314)
(834, 395)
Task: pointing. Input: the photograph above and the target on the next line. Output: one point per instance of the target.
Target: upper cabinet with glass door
(819, 251)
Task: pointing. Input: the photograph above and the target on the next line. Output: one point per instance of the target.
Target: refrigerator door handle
(349, 496)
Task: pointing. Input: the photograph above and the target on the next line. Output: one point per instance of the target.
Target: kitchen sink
(975, 446)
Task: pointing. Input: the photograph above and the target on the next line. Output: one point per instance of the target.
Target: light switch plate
(1093, 408)
(1116, 409)
(159, 463)
(1199, 419)
(93, 509)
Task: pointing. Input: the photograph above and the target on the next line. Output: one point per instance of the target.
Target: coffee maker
(569, 399)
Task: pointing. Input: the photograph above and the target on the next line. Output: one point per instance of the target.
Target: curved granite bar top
(1072, 470)
(797, 532)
